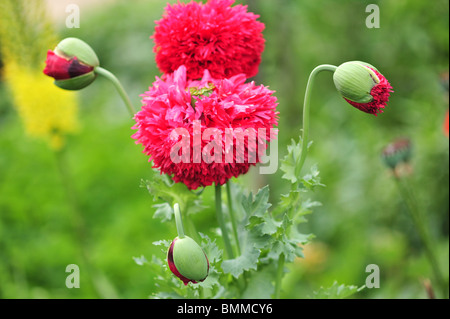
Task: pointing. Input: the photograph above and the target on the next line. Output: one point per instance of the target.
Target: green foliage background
(362, 220)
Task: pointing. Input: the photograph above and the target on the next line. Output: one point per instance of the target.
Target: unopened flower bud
(397, 153)
(362, 86)
(187, 260)
(72, 64)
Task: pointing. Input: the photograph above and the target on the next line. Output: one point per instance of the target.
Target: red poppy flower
(225, 40)
(61, 68)
(220, 127)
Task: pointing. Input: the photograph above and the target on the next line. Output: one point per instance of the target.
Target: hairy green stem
(233, 218)
(301, 160)
(306, 108)
(279, 276)
(221, 221)
(178, 221)
(105, 73)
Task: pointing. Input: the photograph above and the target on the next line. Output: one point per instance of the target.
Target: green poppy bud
(187, 260)
(355, 80)
(362, 86)
(73, 47)
(72, 64)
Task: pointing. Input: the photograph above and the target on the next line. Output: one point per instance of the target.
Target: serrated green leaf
(161, 187)
(212, 251)
(164, 243)
(289, 162)
(140, 260)
(163, 211)
(263, 225)
(312, 179)
(336, 291)
(259, 285)
(248, 260)
(210, 281)
(166, 295)
(260, 241)
(259, 205)
(308, 204)
(286, 247)
(290, 200)
(300, 238)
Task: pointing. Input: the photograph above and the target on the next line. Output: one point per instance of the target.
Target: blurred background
(363, 219)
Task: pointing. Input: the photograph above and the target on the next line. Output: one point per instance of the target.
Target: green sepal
(78, 82)
(73, 47)
(354, 80)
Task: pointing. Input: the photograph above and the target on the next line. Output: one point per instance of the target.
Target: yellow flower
(46, 111)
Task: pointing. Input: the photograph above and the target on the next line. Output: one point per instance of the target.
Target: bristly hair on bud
(362, 86)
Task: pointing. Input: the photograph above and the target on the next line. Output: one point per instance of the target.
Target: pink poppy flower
(207, 131)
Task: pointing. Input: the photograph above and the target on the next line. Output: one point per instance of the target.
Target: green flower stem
(221, 221)
(242, 281)
(301, 160)
(101, 71)
(422, 231)
(306, 107)
(279, 276)
(188, 225)
(178, 221)
(233, 218)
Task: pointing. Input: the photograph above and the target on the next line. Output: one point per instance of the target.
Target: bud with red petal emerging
(187, 260)
(362, 86)
(71, 64)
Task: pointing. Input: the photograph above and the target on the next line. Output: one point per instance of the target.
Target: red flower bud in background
(71, 64)
(397, 156)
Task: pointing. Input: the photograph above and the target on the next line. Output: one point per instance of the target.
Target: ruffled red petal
(215, 36)
(380, 94)
(231, 108)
